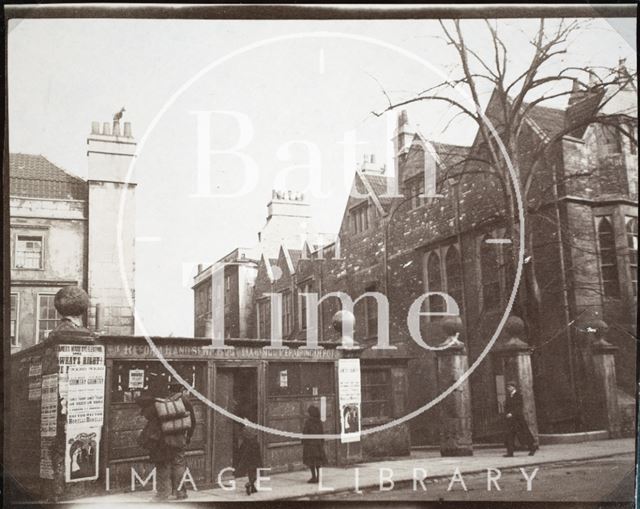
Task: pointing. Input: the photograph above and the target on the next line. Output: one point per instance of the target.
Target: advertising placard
(49, 406)
(349, 396)
(85, 395)
(81, 453)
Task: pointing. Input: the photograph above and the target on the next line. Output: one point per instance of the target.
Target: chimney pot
(199, 268)
(95, 127)
(116, 128)
(373, 158)
(106, 129)
(127, 129)
(403, 118)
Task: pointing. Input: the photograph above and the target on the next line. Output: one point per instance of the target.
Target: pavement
(293, 485)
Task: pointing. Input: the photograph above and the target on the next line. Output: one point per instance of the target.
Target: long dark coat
(313, 454)
(249, 455)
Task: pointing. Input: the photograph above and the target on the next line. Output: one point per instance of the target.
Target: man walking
(170, 424)
(516, 423)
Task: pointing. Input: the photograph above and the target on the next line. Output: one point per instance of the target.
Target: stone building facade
(63, 231)
(582, 219)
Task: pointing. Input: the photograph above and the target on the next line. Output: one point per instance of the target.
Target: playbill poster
(82, 448)
(77, 355)
(350, 398)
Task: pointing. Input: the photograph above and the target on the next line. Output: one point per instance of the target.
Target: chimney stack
(404, 134)
(108, 160)
(369, 165)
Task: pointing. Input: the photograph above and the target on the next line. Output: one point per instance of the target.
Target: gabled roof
(550, 120)
(34, 176)
(291, 257)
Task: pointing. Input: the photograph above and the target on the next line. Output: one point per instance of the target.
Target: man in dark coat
(516, 423)
(168, 458)
(313, 454)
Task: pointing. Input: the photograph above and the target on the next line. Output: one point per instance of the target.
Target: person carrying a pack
(170, 424)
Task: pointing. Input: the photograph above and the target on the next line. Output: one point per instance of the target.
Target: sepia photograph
(289, 254)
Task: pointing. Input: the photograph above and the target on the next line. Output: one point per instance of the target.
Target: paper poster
(81, 453)
(49, 406)
(76, 355)
(349, 396)
(35, 379)
(284, 378)
(46, 462)
(85, 395)
(136, 379)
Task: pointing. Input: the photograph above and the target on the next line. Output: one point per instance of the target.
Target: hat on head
(313, 411)
(511, 383)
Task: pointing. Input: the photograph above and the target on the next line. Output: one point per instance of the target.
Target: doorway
(236, 390)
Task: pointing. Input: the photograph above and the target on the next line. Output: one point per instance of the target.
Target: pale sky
(300, 95)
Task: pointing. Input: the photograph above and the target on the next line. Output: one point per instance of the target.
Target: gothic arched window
(453, 271)
(434, 284)
(490, 272)
(608, 258)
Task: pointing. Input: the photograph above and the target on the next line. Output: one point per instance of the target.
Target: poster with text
(49, 406)
(85, 395)
(35, 379)
(76, 355)
(136, 379)
(349, 396)
(46, 461)
(81, 453)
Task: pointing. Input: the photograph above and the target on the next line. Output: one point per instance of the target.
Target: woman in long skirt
(313, 455)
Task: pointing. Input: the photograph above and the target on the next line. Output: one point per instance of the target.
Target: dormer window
(413, 188)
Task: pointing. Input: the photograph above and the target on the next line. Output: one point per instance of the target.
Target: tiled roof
(379, 185)
(34, 176)
(450, 155)
(295, 255)
(550, 120)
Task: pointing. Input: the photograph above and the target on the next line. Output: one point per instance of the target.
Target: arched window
(608, 259)
(434, 284)
(632, 243)
(490, 271)
(453, 271)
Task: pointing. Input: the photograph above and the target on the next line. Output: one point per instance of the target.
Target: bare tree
(499, 142)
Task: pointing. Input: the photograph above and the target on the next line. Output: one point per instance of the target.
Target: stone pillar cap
(452, 346)
(513, 344)
(601, 345)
